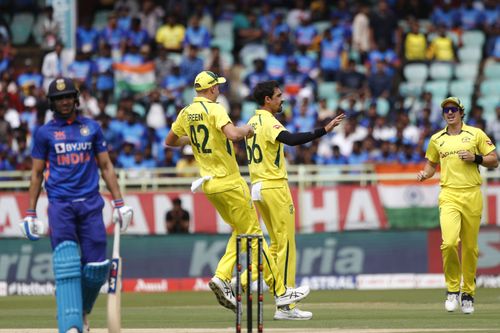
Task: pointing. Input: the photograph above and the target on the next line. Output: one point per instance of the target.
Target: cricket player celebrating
(206, 126)
(266, 162)
(71, 149)
(459, 149)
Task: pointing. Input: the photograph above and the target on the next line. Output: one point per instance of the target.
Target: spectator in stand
(103, 73)
(48, 29)
(306, 62)
(112, 137)
(320, 11)
(163, 64)
(337, 158)
(442, 47)
(124, 19)
(297, 84)
(126, 156)
(5, 61)
(350, 80)
(5, 129)
(382, 53)
(361, 31)
(53, 65)
(177, 219)
(305, 117)
(276, 63)
(415, 43)
(4, 30)
(81, 69)
(187, 166)
(476, 116)
(350, 133)
(88, 104)
(387, 155)
(358, 155)
(247, 30)
(380, 83)
(298, 11)
(469, 15)
(196, 34)
(331, 52)
(29, 115)
(111, 34)
(169, 161)
(216, 63)
(305, 33)
(132, 56)
(30, 77)
(278, 27)
(134, 131)
(171, 34)
(136, 35)
(151, 17)
(324, 111)
(384, 26)
(445, 15)
(191, 65)
(409, 154)
(86, 36)
(259, 74)
(173, 86)
(155, 112)
(382, 131)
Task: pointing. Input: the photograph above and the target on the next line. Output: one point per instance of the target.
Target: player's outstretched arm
(334, 122)
(235, 133)
(428, 171)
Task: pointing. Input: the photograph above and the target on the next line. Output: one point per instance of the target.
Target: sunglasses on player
(453, 109)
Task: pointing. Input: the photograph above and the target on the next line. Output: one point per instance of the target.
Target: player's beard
(280, 108)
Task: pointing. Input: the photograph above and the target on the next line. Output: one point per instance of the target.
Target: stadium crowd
(358, 58)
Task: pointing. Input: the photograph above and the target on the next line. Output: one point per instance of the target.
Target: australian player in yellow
(205, 125)
(269, 178)
(459, 149)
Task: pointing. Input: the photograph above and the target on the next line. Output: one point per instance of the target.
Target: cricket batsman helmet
(62, 87)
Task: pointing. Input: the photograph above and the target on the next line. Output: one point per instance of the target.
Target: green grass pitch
(345, 309)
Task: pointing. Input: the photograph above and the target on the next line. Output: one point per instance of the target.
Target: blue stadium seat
(415, 72)
(21, 27)
(441, 71)
(473, 38)
(467, 71)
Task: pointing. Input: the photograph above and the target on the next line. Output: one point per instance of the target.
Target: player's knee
(66, 261)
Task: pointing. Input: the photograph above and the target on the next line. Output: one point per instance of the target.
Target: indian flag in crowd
(136, 78)
(410, 206)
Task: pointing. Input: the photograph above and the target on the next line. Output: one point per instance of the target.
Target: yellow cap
(453, 100)
(207, 79)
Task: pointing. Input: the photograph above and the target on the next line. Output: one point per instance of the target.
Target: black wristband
(319, 132)
(478, 159)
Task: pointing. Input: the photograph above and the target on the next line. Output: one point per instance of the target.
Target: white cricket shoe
(286, 313)
(292, 295)
(467, 303)
(73, 330)
(451, 303)
(223, 292)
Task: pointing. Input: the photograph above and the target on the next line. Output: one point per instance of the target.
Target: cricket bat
(115, 285)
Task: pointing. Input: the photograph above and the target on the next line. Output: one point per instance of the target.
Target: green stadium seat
(100, 19)
(224, 29)
(441, 71)
(413, 89)
(332, 103)
(491, 70)
(461, 88)
(415, 72)
(327, 90)
(227, 58)
(470, 54)
(251, 52)
(489, 104)
(248, 110)
(473, 38)
(490, 87)
(467, 71)
(21, 27)
(437, 88)
(188, 95)
(383, 106)
(224, 44)
(321, 26)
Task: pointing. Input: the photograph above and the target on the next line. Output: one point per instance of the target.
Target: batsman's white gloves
(31, 227)
(122, 214)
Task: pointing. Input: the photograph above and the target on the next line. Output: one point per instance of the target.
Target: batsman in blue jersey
(67, 153)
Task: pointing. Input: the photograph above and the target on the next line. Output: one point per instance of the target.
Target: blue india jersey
(70, 150)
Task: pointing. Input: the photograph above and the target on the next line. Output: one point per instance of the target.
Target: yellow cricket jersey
(202, 122)
(443, 48)
(415, 45)
(266, 159)
(443, 149)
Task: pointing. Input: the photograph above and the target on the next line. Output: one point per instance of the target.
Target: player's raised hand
(122, 214)
(31, 227)
(334, 122)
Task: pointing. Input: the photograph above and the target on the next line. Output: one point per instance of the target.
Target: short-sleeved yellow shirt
(202, 122)
(266, 159)
(443, 149)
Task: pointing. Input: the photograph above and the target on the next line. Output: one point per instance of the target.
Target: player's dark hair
(263, 89)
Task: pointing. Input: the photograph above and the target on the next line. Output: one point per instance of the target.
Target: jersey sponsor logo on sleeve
(277, 126)
(59, 135)
(489, 142)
